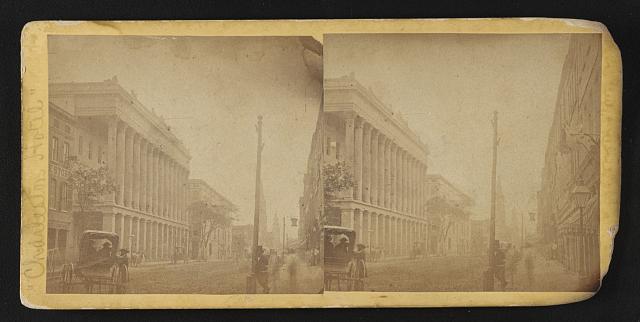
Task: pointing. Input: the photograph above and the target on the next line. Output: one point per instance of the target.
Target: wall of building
(148, 164)
(572, 160)
(388, 163)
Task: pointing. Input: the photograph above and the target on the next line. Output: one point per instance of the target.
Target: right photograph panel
(461, 162)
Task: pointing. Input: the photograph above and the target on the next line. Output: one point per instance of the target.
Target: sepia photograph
(462, 162)
(318, 164)
(180, 165)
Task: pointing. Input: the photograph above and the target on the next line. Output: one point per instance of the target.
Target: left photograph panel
(184, 165)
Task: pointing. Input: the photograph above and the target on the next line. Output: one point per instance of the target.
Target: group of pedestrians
(269, 266)
(507, 260)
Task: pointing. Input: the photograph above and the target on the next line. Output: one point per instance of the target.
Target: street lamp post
(581, 195)
(251, 279)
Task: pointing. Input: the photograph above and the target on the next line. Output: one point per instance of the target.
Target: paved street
(216, 278)
(461, 273)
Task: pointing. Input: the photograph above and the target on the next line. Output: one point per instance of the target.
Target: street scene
(461, 162)
(179, 165)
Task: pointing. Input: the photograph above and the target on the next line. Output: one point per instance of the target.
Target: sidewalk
(548, 275)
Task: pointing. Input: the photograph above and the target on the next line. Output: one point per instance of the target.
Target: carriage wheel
(67, 277)
(119, 278)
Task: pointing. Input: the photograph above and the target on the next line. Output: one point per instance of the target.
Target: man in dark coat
(262, 271)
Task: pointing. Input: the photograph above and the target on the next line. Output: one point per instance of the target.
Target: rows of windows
(60, 195)
(57, 154)
(61, 153)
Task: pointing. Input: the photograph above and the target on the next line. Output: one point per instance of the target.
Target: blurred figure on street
(262, 266)
(292, 269)
(530, 266)
(513, 260)
(357, 268)
(500, 262)
(274, 269)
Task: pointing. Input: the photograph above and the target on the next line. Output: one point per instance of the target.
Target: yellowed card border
(35, 158)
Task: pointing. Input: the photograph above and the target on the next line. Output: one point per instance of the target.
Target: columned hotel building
(149, 165)
(386, 207)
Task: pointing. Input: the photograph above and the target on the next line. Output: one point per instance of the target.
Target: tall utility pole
(251, 280)
(284, 236)
(492, 222)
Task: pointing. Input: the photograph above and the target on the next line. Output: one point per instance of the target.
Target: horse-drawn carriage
(179, 254)
(341, 266)
(100, 267)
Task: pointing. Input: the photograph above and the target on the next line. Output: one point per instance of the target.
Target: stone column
(376, 228)
(171, 187)
(380, 168)
(412, 191)
(149, 177)
(374, 166)
(137, 233)
(143, 175)
(366, 164)
(180, 193)
(358, 159)
(120, 156)
(346, 218)
(120, 229)
(363, 233)
(400, 178)
(405, 188)
(397, 237)
(128, 167)
(162, 184)
(153, 175)
(109, 222)
(387, 174)
(422, 192)
(349, 139)
(135, 200)
(394, 178)
(143, 235)
(174, 190)
(387, 238)
(112, 139)
(156, 240)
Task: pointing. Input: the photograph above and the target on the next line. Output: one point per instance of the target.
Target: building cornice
(349, 83)
(111, 87)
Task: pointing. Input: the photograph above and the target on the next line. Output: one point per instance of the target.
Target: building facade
(241, 239)
(572, 162)
(209, 239)
(388, 162)
(311, 203)
(148, 164)
(62, 139)
(448, 218)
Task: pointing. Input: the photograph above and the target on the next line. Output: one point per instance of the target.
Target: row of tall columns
(148, 179)
(395, 236)
(156, 239)
(385, 174)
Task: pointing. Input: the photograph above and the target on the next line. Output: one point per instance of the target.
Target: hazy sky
(447, 86)
(210, 91)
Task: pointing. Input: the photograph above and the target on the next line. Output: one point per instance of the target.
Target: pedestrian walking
(513, 258)
(500, 260)
(262, 274)
(530, 267)
(274, 270)
(357, 268)
(292, 268)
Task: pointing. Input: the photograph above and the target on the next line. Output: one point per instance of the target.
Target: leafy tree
(337, 178)
(89, 184)
(205, 217)
(445, 213)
